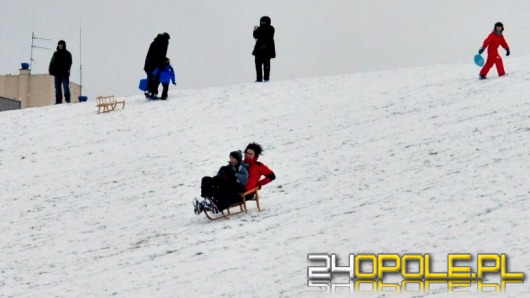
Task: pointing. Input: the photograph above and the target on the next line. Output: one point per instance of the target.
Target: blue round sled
(479, 61)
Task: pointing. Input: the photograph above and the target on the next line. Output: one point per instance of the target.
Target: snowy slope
(420, 160)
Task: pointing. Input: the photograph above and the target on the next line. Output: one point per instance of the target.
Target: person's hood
(162, 36)
(265, 19)
(495, 28)
(63, 43)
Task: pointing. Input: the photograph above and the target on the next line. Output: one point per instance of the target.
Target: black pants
(224, 192)
(263, 68)
(165, 87)
(152, 83)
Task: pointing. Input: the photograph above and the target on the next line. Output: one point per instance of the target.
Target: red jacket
(493, 41)
(255, 171)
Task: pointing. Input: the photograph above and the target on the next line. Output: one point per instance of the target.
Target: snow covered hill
(420, 160)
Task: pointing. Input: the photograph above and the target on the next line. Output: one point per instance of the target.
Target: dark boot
(197, 207)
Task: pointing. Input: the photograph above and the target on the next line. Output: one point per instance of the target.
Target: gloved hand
(480, 51)
(508, 52)
(175, 84)
(233, 170)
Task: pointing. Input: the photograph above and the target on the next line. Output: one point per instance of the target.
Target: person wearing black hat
(492, 42)
(224, 189)
(60, 65)
(264, 49)
(155, 59)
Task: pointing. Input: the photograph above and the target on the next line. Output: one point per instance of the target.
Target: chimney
(23, 85)
(24, 68)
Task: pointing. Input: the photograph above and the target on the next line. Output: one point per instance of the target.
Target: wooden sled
(241, 205)
(107, 104)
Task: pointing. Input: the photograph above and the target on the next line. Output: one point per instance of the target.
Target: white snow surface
(418, 160)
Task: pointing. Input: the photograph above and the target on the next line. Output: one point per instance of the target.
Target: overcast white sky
(211, 41)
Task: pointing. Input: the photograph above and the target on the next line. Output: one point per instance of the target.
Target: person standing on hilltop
(264, 49)
(166, 75)
(492, 42)
(60, 65)
(155, 59)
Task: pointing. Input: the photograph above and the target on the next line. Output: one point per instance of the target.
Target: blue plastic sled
(143, 84)
(479, 61)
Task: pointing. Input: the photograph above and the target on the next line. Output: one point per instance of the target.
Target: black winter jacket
(60, 63)
(156, 53)
(264, 47)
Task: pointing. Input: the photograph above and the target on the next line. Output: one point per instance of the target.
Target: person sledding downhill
(492, 42)
(223, 189)
(256, 169)
(219, 193)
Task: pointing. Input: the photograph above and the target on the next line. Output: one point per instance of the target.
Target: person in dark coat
(264, 49)
(60, 65)
(225, 188)
(155, 59)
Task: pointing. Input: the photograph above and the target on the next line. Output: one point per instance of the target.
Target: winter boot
(197, 206)
(210, 205)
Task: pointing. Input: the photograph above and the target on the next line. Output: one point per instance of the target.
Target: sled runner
(106, 104)
(251, 195)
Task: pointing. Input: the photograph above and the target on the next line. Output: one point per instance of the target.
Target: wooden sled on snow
(254, 196)
(107, 104)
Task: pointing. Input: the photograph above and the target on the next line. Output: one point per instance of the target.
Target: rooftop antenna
(80, 65)
(33, 38)
(82, 98)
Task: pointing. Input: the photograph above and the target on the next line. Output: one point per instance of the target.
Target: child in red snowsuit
(492, 42)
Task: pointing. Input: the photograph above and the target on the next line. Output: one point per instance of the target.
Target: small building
(31, 90)
(7, 104)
